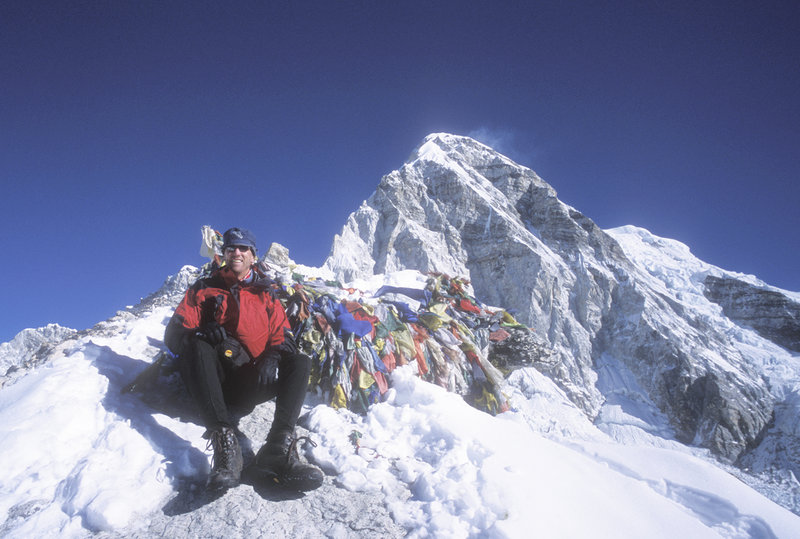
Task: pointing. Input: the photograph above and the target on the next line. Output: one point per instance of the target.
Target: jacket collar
(230, 278)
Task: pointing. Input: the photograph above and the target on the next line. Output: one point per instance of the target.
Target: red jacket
(247, 310)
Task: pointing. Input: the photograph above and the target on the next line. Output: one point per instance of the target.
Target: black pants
(216, 387)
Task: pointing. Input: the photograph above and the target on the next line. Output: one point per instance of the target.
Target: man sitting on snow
(235, 348)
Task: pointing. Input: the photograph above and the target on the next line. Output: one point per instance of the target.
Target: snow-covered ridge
(28, 342)
(673, 263)
(32, 347)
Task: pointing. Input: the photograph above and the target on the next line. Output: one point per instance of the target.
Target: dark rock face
(779, 451)
(711, 407)
(773, 315)
(723, 409)
(521, 349)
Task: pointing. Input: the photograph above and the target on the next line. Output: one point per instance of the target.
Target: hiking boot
(278, 461)
(226, 469)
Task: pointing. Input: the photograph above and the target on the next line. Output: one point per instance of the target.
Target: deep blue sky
(126, 126)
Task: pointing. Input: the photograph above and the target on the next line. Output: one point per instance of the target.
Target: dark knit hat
(238, 236)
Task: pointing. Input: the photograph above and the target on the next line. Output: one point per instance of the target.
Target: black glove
(213, 333)
(268, 368)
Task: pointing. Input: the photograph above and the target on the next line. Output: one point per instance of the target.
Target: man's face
(239, 259)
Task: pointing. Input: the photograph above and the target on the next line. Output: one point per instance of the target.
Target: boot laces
(291, 453)
(222, 443)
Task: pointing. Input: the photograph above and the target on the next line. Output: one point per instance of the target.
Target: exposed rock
(521, 349)
(773, 315)
(278, 255)
(780, 448)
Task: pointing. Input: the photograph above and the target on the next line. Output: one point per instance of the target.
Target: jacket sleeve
(183, 323)
(278, 323)
(280, 338)
(176, 335)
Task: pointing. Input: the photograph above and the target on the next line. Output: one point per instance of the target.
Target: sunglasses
(240, 248)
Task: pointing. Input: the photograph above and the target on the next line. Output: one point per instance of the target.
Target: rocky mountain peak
(459, 207)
